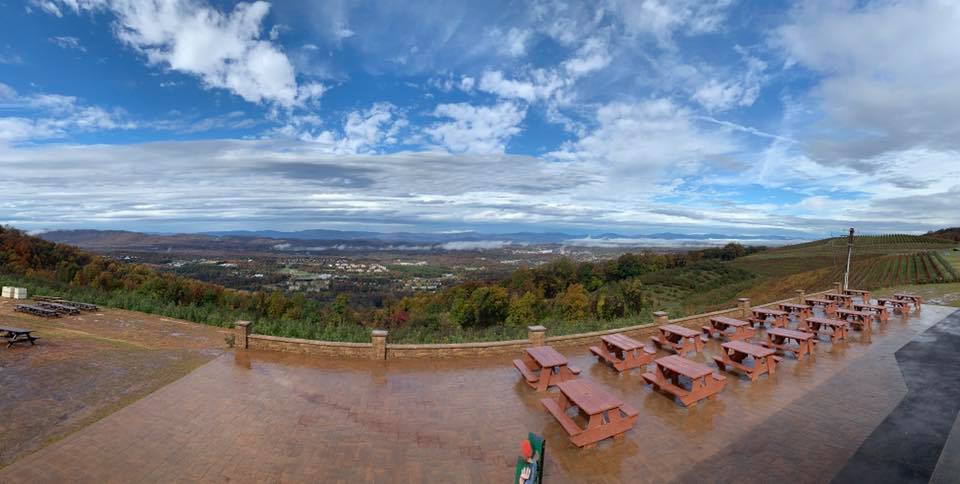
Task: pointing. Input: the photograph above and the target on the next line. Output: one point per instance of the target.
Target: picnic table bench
(881, 312)
(543, 366)
(858, 319)
(901, 305)
(734, 353)
(679, 339)
(622, 352)
(863, 293)
(915, 299)
(719, 324)
(779, 338)
(800, 310)
(838, 327)
(606, 415)
(704, 382)
(844, 300)
(60, 308)
(36, 311)
(759, 317)
(17, 335)
(829, 305)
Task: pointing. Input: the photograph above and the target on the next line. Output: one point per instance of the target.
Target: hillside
(569, 296)
(952, 233)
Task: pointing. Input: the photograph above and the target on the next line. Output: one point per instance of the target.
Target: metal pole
(846, 274)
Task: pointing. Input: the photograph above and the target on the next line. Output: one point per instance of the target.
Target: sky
(628, 116)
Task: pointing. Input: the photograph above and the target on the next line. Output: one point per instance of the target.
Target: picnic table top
(751, 349)
(903, 295)
(729, 321)
(683, 366)
(828, 321)
(833, 295)
(679, 330)
(892, 300)
(775, 312)
(795, 305)
(821, 300)
(789, 333)
(8, 329)
(853, 311)
(590, 397)
(871, 306)
(621, 341)
(546, 356)
(856, 291)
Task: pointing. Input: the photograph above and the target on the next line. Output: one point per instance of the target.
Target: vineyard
(878, 261)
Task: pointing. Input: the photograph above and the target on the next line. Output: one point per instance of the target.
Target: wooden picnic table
(902, 305)
(759, 316)
(719, 324)
(36, 311)
(17, 335)
(606, 415)
(863, 293)
(679, 339)
(881, 312)
(735, 352)
(704, 382)
(60, 308)
(838, 327)
(915, 299)
(829, 305)
(779, 338)
(844, 300)
(801, 310)
(859, 319)
(543, 366)
(622, 352)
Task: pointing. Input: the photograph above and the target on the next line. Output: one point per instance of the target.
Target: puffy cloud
(224, 50)
(476, 129)
(51, 116)
(645, 138)
(663, 18)
(882, 86)
(542, 84)
(366, 131)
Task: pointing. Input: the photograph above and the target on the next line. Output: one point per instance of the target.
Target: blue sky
(632, 116)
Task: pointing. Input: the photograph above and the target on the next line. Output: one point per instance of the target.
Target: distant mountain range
(336, 240)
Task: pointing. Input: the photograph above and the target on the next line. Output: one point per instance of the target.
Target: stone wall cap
(243, 323)
(743, 299)
(379, 332)
(536, 328)
(659, 313)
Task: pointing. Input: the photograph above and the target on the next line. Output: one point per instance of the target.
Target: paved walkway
(267, 417)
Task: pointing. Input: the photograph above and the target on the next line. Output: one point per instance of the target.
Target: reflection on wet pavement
(254, 416)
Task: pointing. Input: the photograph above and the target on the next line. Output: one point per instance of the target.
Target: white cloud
(51, 116)
(888, 74)
(67, 42)
(592, 56)
(541, 85)
(664, 18)
(645, 138)
(365, 131)
(224, 50)
(477, 129)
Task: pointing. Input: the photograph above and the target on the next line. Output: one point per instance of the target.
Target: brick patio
(267, 417)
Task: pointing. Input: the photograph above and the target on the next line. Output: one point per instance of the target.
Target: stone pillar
(838, 287)
(801, 296)
(660, 317)
(379, 339)
(744, 305)
(241, 330)
(537, 335)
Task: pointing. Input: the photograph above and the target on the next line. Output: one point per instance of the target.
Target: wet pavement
(269, 417)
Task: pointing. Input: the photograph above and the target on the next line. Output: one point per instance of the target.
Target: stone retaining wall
(378, 348)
